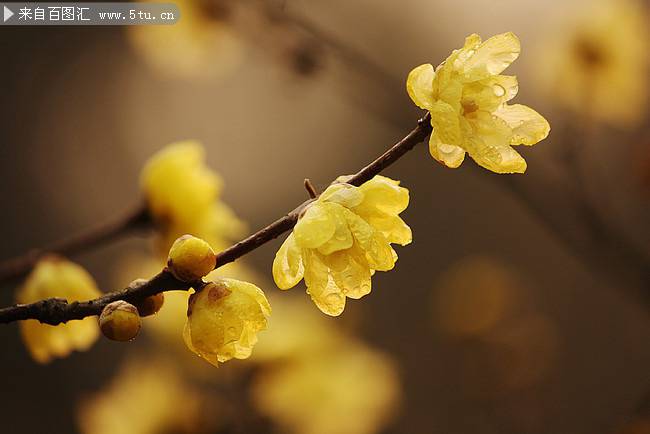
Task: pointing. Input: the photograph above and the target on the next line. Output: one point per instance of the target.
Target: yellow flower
(183, 196)
(597, 63)
(341, 239)
(57, 277)
(224, 319)
(467, 98)
(351, 391)
(146, 397)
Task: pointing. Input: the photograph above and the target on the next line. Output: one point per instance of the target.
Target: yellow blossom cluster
(183, 196)
(467, 98)
(57, 277)
(315, 379)
(145, 397)
(342, 239)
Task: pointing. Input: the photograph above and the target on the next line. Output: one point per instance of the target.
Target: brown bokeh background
(82, 109)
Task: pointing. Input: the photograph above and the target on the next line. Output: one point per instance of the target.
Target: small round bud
(150, 305)
(120, 321)
(191, 258)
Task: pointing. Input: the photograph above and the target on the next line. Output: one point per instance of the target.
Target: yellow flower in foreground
(57, 277)
(467, 98)
(224, 319)
(341, 239)
(597, 64)
(183, 196)
(351, 391)
(146, 397)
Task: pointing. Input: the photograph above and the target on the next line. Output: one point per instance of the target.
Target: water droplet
(499, 90)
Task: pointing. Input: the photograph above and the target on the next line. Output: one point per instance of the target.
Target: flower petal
(528, 126)
(288, 268)
(315, 227)
(342, 238)
(350, 275)
(446, 123)
(493, 56)
(343, 194)
(419, 85)
(449, 155)
(497, 158)
(327, 296)
(384, 194)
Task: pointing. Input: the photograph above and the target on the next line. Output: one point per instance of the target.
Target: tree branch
(56, 310)
(18, 267)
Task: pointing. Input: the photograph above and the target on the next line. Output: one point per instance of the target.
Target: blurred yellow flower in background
(353, 390)
(223, 320)
(473, 296)
(296, 330)
(597, 65)
(341, 239)
(467, 98)
(183, 197)
(57, 277)
(199, 45)
(145, 397)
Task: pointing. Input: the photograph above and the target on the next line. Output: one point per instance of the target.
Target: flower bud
(191, 258)
(120, 321)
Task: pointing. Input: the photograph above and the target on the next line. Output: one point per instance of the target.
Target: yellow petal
(342, 238)
(327, 296)
(528, 126)
(343, 194)
(449, 155)
(497, 158)
(419, 85)
(489, 93)
(315, 227)
(352, 276)
(384, 194)
(493, 56)
(378, 252)
(446, 123)
(288, 268)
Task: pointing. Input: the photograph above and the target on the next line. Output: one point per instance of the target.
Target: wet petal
(315, 227)
(449, 155)
(327, 296)
(342, 238)
(419, 85)
(528, 126)
(343, 194)
(493, 56)
(288, 268)
(445, 122)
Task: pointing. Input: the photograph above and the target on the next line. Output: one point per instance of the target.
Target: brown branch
(55, 310)
(18, 267)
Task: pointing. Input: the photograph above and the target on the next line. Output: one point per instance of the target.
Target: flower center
(469, 106)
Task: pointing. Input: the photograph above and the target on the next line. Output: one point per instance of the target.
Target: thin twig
(55, 310)
(18, 267)
(310, 188)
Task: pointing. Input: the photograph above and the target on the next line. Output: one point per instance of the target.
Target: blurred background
(521, 306)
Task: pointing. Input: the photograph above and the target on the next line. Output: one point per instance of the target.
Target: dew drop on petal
(499, 90)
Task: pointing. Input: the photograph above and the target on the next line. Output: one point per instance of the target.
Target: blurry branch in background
(576, 222)
(134, 220)
(55, 311)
